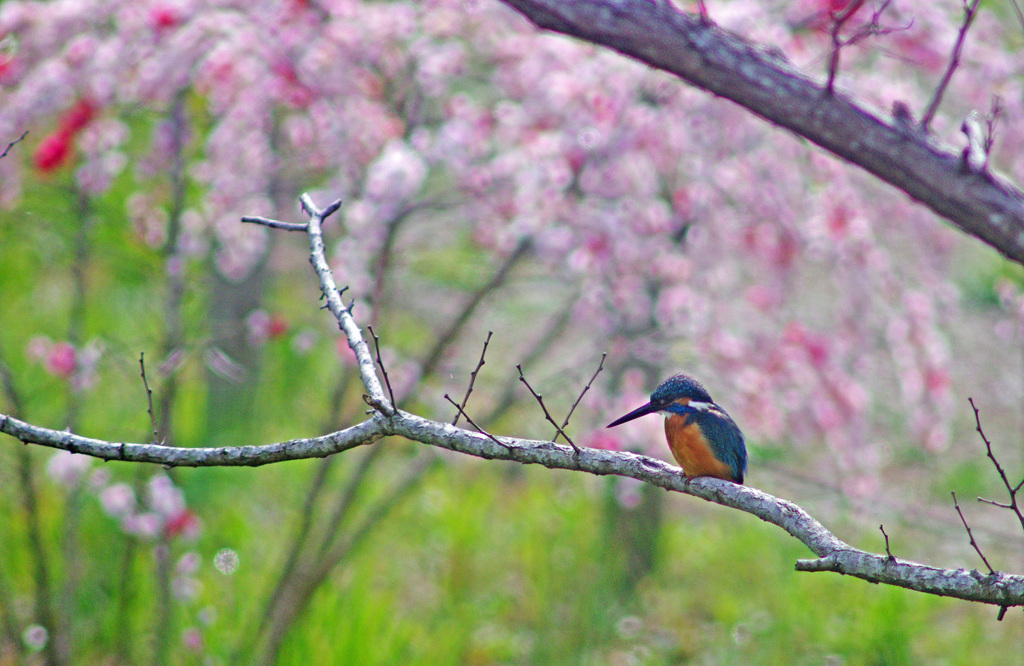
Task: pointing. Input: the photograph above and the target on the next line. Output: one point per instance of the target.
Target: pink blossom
(188, 563)
(68, 469)
(164, 497)
(627, 492)
(38, 348)
(53, 151)
(118, 500)
(305, 341)
(398, 173)
(600, 439)
(762, 297)
(99, 479)
(61, 360)
(78, 116)
(192, 639)
(164, 17)
(263, 326)
(146, 525)
(184, 524)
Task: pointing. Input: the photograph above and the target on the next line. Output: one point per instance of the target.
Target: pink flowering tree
(493, 177)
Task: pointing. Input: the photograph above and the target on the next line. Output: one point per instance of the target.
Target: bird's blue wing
(725, 439)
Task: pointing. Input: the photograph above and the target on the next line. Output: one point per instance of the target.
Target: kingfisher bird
(704, 440)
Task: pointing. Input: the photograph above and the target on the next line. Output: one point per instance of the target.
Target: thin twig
(13, 143)
(970, 11)
(586, 388)
(988, 444)
(703, 10)
(888, 552)
(478, 428)
(149, 396)
(870, 28)
(383, 370)
(970, 535)
(472, 377)
(995, 503)
(275, 224)
(547, 415)
(837, 44)
(991, 122)
(1011, 489)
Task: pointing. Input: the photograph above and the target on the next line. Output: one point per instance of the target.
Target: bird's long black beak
(649, 408)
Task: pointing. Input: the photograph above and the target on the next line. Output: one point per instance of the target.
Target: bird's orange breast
(691, 450)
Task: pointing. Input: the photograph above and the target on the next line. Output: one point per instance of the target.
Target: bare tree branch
(177, 456)
(330, 290)
(763, 82)
(834, 555)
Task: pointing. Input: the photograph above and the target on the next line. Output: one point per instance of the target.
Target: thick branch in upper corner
(753, 76)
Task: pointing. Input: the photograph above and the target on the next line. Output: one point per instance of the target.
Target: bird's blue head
(682, 388)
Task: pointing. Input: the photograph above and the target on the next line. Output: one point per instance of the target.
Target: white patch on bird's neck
(692, 404)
